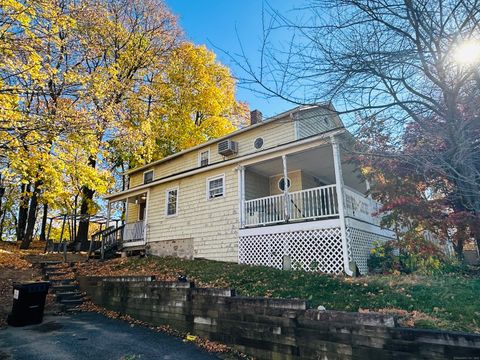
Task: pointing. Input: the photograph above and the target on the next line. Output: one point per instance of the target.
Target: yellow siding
(136, 179)
(278, 132)
(212, 224)
(132, 213)
(295, 182)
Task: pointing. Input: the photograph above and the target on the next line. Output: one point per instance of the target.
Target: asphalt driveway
(92, 336)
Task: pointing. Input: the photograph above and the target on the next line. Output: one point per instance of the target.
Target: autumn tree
(400, 63)
(89, 86)
(189, 101)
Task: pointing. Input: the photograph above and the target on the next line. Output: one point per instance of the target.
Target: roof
(318, 137)
(239, 131)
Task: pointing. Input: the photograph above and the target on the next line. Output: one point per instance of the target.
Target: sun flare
(468, 52)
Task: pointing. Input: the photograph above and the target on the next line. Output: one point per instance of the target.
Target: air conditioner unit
(227, 147)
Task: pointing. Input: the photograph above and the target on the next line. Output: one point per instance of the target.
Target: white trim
(337, 164)
(371, 228)
(212, 178)
(303, 144)
(200, 152)
(167, 215)
(153, 176)
(241, 195)
(109, 213)
(128, 195)
(286, 204)
(284, 228)
(145, 221)
(289, 181)
(134, 243)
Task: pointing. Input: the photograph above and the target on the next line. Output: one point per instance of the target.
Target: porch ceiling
(318, 162)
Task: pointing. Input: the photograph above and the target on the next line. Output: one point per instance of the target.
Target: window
(172, 202)
(258, 143)
(203, 158)
(148, 176)
(215, 187)
(281, 183)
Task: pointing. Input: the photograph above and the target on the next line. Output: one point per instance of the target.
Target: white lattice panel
(310, 250)
(359, 244)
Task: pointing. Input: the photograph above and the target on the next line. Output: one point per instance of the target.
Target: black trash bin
(28, 303)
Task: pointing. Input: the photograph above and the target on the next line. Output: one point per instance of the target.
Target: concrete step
(71, 309)
(56, 267)
(47, 263)
(58, 273)
(64, 287)
(69, 295)
(62, 281)
(72, 302)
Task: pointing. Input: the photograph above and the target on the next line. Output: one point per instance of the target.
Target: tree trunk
(22, 212)
(32, 219)
(82, 232)
(2, 221)
(2, 211)
(44, 223)
(87, 198)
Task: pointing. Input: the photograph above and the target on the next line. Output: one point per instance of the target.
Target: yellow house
(227, 199)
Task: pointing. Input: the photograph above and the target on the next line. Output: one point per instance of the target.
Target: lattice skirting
(310, 250)
(359, 244)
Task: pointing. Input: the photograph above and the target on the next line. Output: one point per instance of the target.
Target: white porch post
(241, 192)
(109, 211)
(285, 188)
(126, 210)
(340, 199)
(145, 217)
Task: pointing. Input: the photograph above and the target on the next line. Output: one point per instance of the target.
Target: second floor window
(204, 157)
(148, 176)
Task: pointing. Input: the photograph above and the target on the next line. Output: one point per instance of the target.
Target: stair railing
(111, 239)
(97, 237)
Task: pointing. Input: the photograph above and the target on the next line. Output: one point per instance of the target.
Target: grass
(445, 302)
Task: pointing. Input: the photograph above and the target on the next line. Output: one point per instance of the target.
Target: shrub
(383, 258)
(394, 257)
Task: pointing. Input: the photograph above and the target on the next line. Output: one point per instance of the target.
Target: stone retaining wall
(274, 328)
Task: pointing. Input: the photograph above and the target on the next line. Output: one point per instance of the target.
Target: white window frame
(153, 176)
(210, 179)
(166, 201)
(289, 181)
(200, 157)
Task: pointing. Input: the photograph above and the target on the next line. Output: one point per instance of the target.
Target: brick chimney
(255, 117)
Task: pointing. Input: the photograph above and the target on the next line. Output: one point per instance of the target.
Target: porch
(301, 187)
(132, 209)
(307, 210)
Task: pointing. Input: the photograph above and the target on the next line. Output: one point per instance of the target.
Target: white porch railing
(306, 204)
(360, 207)
(134, 232)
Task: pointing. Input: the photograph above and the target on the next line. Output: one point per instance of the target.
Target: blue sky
(216, 23)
